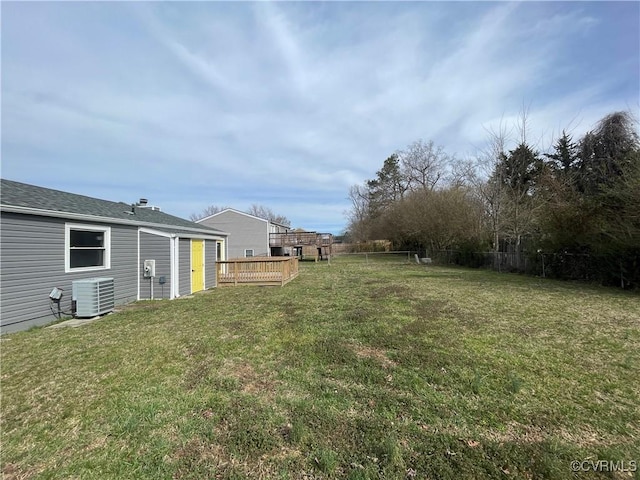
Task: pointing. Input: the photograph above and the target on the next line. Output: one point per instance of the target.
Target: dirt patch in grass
(582, 436)
(200, 459)
(13, 471)
(377, 354)
(250, 381)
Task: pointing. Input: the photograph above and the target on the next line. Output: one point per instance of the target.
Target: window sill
(86, 269)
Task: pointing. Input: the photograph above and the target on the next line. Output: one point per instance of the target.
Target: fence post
(235, 274)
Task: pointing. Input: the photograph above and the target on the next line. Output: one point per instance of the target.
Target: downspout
(268, 238)
(173, 251)
(171, 264)
(204, 264)
(138, 267)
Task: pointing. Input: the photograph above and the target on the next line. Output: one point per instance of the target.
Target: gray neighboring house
(248, 234)
(49, 238)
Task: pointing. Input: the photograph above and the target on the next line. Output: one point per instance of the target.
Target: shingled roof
(27, 198)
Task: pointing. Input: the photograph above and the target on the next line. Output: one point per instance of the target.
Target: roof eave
(97, 218)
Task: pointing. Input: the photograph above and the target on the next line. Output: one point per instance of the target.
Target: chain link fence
(612, 269)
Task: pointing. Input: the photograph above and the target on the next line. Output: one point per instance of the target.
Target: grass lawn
(353, 370)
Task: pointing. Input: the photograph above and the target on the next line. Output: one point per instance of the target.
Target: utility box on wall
(149, 268)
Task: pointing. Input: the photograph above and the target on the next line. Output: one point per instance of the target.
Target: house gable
(246, 232)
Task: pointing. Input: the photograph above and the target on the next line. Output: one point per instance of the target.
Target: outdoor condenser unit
(93, 296)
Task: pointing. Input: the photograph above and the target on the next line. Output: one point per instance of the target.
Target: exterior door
(197, 265)
(220, 257)
(220, 251)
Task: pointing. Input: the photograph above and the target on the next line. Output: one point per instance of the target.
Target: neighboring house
(248, 234)
(49, 238)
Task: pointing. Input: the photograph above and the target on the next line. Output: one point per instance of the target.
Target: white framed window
(86, 248)
(248, 252)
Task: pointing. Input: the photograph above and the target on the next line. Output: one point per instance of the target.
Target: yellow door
(197, 265)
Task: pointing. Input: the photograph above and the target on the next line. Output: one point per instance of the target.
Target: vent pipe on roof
(144, 203)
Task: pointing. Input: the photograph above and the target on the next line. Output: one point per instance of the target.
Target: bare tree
(358, 216)
(268, 214)
(461, 174)
(488, 179)
(424, 164)
(207, 212)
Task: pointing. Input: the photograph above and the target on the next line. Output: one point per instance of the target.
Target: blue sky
(287, 105)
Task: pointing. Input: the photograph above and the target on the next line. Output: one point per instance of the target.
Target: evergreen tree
(607, 152)
(387, 187)
(565, 154)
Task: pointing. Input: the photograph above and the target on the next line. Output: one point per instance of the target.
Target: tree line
(573, 210)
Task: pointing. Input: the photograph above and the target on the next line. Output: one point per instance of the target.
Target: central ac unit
(94, 296)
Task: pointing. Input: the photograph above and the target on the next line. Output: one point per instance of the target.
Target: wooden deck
(306, 244)
(257, 271)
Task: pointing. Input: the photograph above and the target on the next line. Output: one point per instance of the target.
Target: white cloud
(287, 104)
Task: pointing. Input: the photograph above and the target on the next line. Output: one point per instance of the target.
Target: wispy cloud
(192, 57)
(288, 104)
(288, 46)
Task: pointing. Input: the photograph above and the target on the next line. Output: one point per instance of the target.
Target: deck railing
(257, 271)
(290, 239)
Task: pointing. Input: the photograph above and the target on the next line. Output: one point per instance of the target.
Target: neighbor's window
(248, 253)
(88, 247)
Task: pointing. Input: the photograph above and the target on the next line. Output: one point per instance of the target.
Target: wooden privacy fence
(257, 271)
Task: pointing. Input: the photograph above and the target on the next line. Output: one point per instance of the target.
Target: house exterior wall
(158, 248)
(184, 266)
(245, 232)
(275, 228)
(210, 263)
(33, 262)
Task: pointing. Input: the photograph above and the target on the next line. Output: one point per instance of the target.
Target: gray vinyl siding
(210, 263)
(245, 232)
(32, 258)
(158, 248)
(184, 267)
